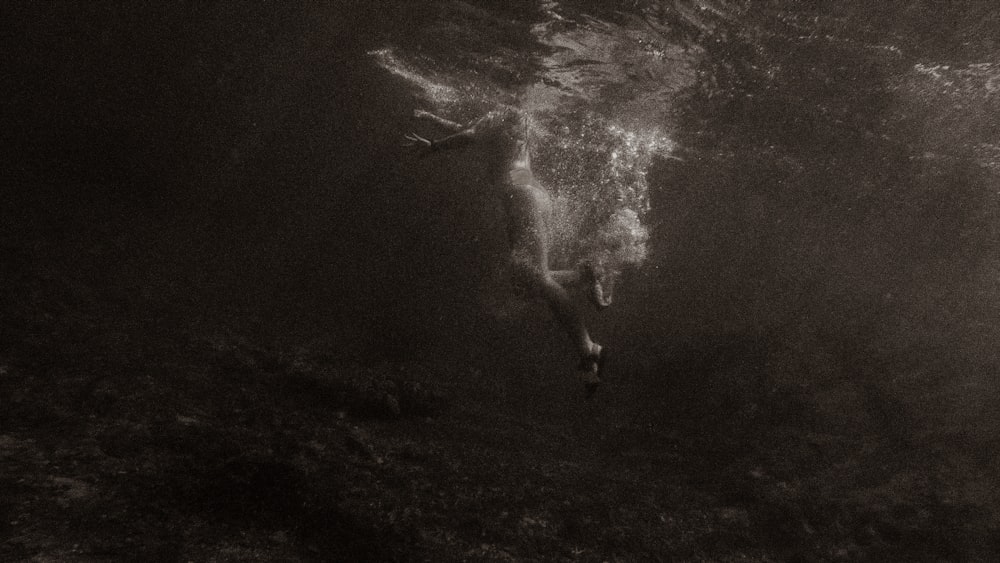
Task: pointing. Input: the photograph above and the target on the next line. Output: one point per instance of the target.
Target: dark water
(813, 184)
(818, 183)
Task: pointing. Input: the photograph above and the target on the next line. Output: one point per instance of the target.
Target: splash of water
(596, 170)
(601, 102)
(432, 87)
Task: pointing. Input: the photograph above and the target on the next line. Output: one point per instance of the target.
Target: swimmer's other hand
(414, 140)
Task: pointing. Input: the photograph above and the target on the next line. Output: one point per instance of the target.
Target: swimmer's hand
(414, 140)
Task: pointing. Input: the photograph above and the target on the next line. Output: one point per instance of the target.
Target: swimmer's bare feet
(591, 368)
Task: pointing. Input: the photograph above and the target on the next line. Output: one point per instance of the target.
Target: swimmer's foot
(590, 370)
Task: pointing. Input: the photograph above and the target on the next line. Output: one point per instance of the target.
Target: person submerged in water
(505, 135)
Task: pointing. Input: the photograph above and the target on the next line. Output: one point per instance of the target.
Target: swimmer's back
(508, 130)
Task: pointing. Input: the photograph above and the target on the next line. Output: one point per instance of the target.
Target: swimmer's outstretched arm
(445, 123)
(461, 139)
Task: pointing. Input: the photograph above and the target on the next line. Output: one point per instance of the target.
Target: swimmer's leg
(566, 314)
(590, 353)
(528, 231)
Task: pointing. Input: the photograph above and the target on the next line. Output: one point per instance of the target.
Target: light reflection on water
(434, 90)
(959, 104)
(601, 104)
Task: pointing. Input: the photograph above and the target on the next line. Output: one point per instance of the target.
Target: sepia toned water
(818, 183)
(802, 200)
(815, 181)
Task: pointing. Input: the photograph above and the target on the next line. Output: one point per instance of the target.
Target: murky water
(804, 197)
(813, 177)
(821, 179)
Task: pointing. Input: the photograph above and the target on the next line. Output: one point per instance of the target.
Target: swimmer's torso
(506, 133)
(506, 136)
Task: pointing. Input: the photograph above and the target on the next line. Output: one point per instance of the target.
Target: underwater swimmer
(505, 135)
